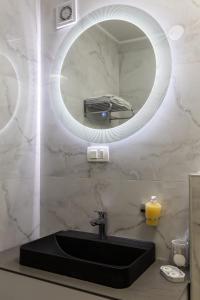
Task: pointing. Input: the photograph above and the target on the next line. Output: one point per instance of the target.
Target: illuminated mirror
(111, 74)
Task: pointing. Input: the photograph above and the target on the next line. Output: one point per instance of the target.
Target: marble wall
(19, 221)
(9, 91)
(137, 68)
(99, 65)
(194, 235)
(93, 65)
(155, 160)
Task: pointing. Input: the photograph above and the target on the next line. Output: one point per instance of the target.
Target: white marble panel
(9, 90)
(194, 235)
(137, 72)
(17, 224)
(90, 69)
(70, 204)
(157, 159)
(18, 42)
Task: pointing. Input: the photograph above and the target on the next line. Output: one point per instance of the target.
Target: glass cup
(179, 253)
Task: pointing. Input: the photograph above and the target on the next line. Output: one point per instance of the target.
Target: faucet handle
(101, 213)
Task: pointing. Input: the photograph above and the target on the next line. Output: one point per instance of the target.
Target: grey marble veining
(70, 204)
(18, 42)
(98, 64)
(136, 72)
(16, 212)
(155, 160)
(9, 91)
(92, 65)
(194, 234)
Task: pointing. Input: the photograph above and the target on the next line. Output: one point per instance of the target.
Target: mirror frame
(162, 52)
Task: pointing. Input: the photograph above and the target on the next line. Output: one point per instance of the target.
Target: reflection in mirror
(9, 91)
(108, 74)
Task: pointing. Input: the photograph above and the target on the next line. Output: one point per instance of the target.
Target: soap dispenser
(152, 211)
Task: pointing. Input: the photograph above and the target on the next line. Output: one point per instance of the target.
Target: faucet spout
(101, 221)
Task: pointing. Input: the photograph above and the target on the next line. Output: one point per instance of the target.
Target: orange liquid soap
(152, 211)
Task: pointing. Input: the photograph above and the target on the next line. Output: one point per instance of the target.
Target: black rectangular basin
(114, 262)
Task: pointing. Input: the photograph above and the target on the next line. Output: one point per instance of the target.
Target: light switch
(92, 154)
(98, 154)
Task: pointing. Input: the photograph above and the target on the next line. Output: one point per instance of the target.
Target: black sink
(114, 262)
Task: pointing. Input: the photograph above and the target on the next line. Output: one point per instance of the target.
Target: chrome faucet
(101, 221)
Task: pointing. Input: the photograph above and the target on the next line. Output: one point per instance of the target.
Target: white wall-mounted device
(176, 32)
(66, 14)
(98, 154)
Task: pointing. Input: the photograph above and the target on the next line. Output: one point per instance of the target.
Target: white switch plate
(98, 154)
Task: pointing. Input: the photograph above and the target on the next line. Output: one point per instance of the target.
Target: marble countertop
(149, 286)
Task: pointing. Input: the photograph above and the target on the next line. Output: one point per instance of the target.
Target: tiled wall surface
(194, 235)
(156, 160)
(138, 65)
(97, 65)
(18, 223)
(9, 90)
(94, 71)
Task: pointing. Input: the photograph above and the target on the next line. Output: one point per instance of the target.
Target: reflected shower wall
(18, 42)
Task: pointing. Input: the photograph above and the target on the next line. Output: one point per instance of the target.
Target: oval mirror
(9, 91)
(112, 73)
(108, 74)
